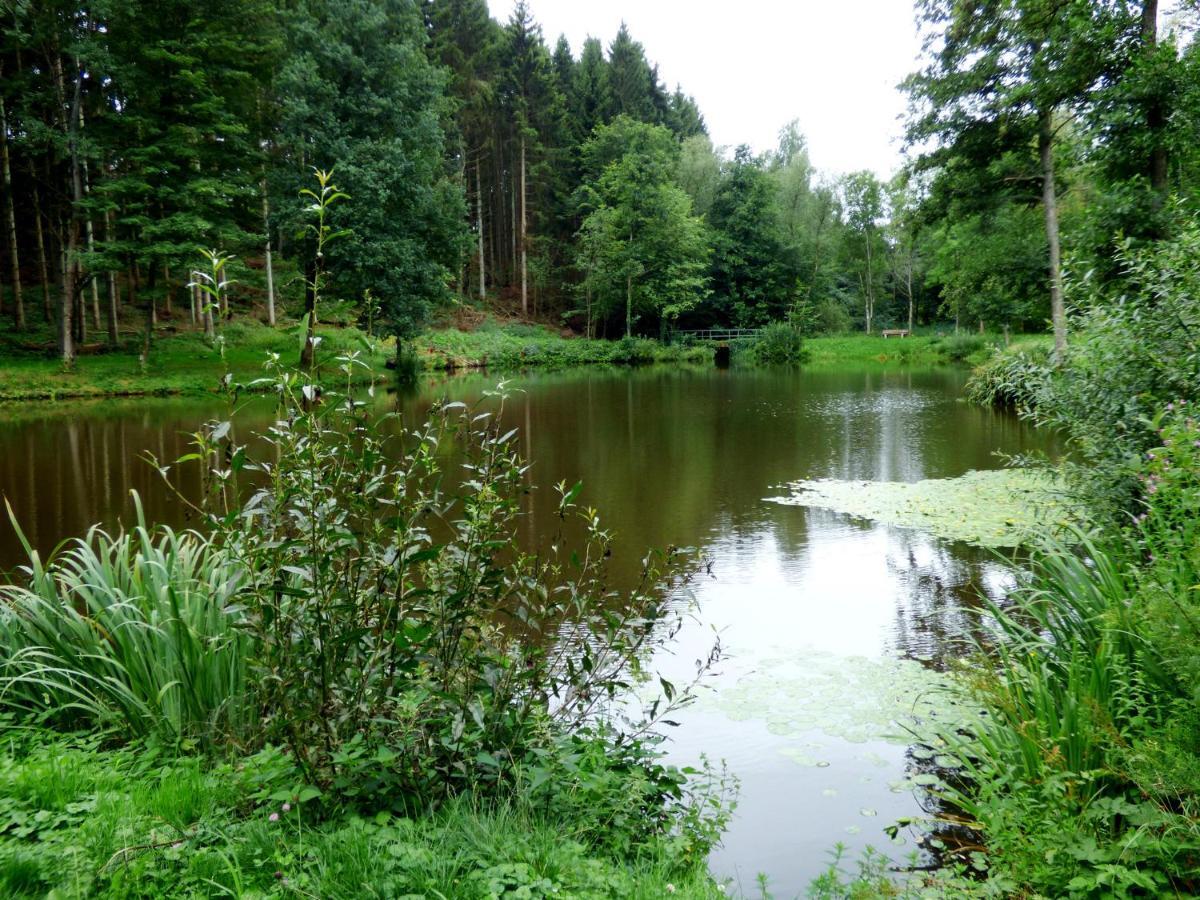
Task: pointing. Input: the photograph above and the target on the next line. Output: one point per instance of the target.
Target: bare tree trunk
(114, 336)
(10, 209)
(90, 234)
(524, 240)
(1156, 114)
(270, 267)
(869, 288)
(587, 299)
(70, 292)
(909, 289)
(151, 313)
(1058, 312)
(628, 306)
(479, 224)
(169, 290)
(39, 235)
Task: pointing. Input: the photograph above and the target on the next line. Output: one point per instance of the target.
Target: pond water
(831, 624)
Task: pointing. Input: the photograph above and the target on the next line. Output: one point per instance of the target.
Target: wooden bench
(895, 332)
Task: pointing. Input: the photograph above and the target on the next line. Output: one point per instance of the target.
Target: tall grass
(137, 631)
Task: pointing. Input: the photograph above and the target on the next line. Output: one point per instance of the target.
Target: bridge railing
(718, 334)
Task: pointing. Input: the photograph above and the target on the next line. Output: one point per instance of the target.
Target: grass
(81, 821)
(179, 363)
(918, 349)
(133, 630)
(185, 363)
(517, 346)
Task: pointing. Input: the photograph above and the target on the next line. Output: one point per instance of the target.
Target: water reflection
(681, 457)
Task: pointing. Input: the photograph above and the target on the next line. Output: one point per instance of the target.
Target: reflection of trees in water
(941, 593)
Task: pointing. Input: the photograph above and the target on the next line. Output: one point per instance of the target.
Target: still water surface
(808, 603)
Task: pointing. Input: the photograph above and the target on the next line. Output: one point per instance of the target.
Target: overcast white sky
(753, 65)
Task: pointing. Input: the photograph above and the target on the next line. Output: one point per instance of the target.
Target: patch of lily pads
(1001, 508)
(855, 699)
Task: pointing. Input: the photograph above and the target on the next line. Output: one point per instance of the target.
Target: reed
(137, 631)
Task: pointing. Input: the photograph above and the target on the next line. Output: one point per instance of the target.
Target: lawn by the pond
(185, 362)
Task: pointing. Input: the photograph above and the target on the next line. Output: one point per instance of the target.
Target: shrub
(960, 347)
(138, 632)
(1133, 350)
(405, 646)
(776, 344)
(831, 317)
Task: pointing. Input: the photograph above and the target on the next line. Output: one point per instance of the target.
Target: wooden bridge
(719, 335)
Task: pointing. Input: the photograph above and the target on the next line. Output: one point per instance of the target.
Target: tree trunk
(151, 311)
(91, 241)
(270, 267)
(479, 224)
(628, 306)
(70, 291)
(1058, 312)
(1156, 114)
(524, 242)
(114, 336)
(40, 237)
(869, 289)
(909, 288)
(10, 209)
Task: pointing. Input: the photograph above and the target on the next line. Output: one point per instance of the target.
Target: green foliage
(752, 283)
(962, 347)
(774, 345)
(80, 822)
(1134, 351)
(640, 248)
(137, 633)
(357, 91)
(513, 347)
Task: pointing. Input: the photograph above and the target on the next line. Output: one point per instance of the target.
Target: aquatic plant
(139, 632)
(1002, 508)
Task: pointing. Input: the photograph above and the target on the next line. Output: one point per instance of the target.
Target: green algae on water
(855, 699)
(1002, 508)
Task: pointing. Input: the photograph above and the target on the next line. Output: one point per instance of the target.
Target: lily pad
(1002, 508)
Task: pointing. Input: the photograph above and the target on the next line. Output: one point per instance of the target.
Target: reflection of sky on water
(851, 594)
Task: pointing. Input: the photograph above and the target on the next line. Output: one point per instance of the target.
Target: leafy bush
(404, 645)
(776, 344)
(961, 347)
(1084, 776)
(1133, 350)
(137, 632)
(1013, 377)
(831, 317)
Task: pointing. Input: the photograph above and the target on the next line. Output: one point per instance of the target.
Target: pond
(830, 624)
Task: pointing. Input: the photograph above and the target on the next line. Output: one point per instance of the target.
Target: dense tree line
(480, 161)
(1061, 133)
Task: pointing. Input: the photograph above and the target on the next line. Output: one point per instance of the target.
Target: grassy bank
(80, 821)
(917, 350)
(185, 363)
(178, 363)
(519, 346)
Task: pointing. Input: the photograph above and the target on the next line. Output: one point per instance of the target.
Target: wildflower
(274, 817)
(670, 888)
(178, 845)
(287, 807)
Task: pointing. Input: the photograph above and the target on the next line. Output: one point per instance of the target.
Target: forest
(480, 161)
(323, 325)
